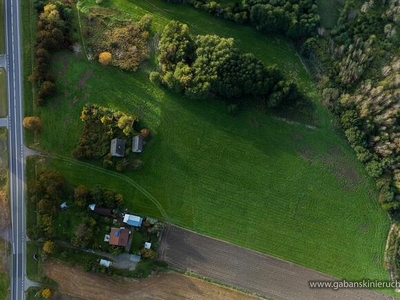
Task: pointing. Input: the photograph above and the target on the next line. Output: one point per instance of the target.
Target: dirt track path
(74, 283)
(248, 270)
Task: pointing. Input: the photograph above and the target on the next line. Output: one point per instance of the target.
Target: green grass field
(3, 93)
(4, 286)
(4, 277)
(4, 245)
(251, 179)
(33, 294)
(2, 29)
(34, 268)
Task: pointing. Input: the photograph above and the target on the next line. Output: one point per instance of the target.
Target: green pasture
(286, 189)
(3, 93)
(2, 29)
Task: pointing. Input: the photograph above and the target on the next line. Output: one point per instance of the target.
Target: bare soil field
(75, 283)
(248, 270)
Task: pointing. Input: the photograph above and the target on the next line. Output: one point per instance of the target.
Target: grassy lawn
(33, 294)
(4, 286)
(4, 215)
(3, 93)
(2, 29)
(251, 179)
(34, 268)
(4, 276)
(31, 218)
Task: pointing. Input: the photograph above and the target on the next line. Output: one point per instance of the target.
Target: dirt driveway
(75, 283)
(248, 270)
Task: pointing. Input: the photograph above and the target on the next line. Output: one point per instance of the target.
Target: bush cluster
(207, 66)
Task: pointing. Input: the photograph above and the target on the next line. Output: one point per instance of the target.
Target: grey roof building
(117, 147)
(137, 144)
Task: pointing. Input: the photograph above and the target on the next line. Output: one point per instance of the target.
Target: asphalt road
(16, 163)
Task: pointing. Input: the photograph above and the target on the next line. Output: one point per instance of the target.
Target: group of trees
(46, 192)
(206, 66)
(52, 34)
(99, 196)
(298, 19)
(122, 44)
(101, 125)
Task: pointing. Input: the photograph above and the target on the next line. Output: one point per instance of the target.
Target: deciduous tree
(32, 123)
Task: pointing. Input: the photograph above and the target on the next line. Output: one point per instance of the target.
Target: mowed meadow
(282, 188)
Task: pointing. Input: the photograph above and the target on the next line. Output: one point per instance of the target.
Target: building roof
(117, 147)
(104, 262)
(106, 237)
(119, 236)
(64, 205)
(137, 143)
(100, 210)
(133, 220)
(147, 245)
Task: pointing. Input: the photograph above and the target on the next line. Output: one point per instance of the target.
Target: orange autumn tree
(46, 293)
(105, 58)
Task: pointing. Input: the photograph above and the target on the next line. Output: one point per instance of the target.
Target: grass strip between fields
(2, 29)
(34, 261)
(3, 94)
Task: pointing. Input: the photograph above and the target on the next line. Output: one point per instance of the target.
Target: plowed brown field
(249, 270)
(75, 282)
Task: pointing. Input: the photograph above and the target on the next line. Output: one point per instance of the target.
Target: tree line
(53, 27)
(297, 19)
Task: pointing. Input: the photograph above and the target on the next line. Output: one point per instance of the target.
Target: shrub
(105, 57)
(46, 293)
(145, 132)
(32, 123)
(155, 77)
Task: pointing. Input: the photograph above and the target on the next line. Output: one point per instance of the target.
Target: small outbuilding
(147, 245)
(137, 144)
(107, 238)
(132, 220)
(117, 147)
(105, 263)
(104, 211)
(64, 206)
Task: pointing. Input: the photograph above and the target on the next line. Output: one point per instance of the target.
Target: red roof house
(119, 236)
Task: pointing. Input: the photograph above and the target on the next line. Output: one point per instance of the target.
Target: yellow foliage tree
(105, 58)
(48, 247)
(32, 123)
(46, 293)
